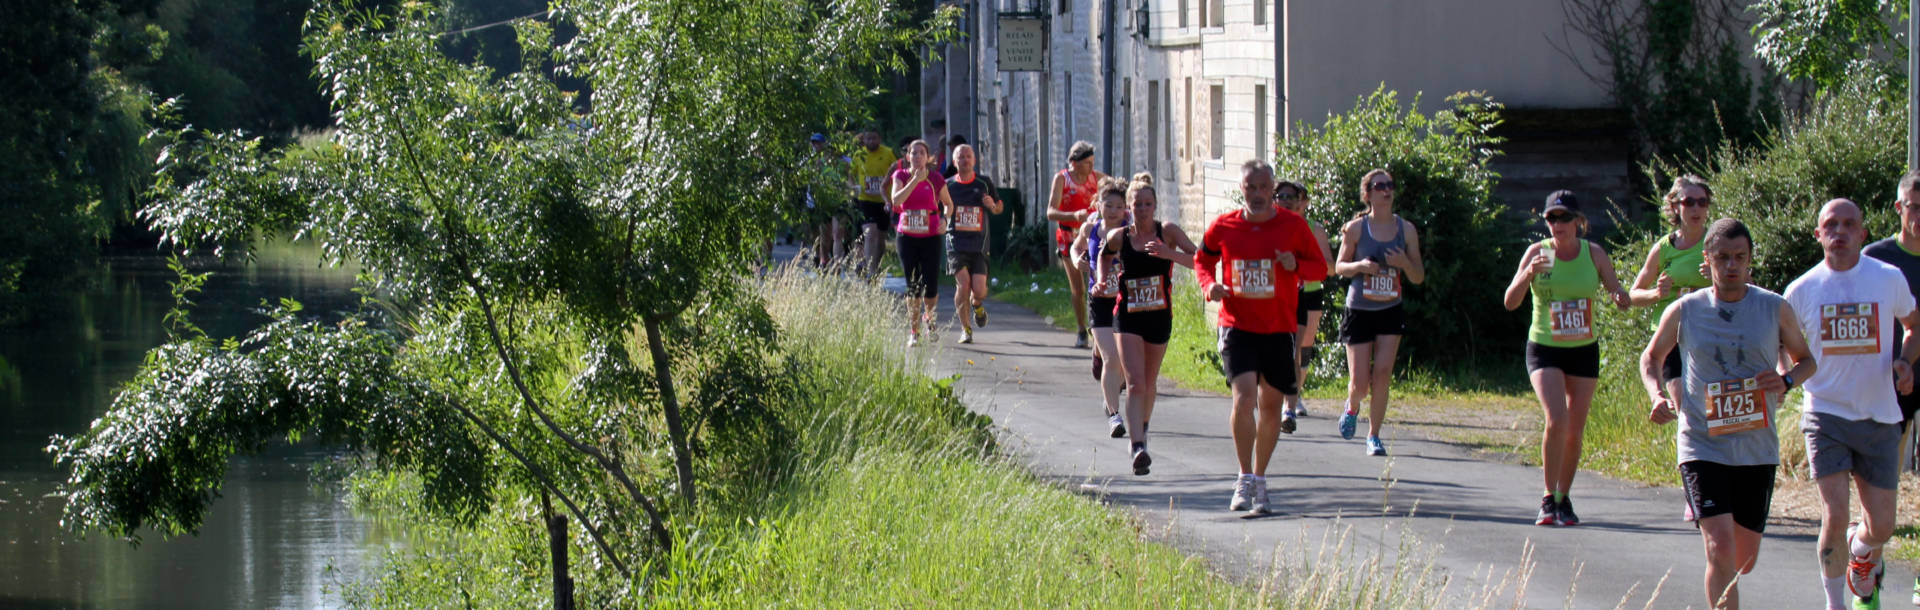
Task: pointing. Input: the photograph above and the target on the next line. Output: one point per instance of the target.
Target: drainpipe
(1106, 98)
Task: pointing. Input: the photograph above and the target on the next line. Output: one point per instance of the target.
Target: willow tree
(547, 280)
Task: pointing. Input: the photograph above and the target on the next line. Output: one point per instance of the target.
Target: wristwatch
(1788, 379)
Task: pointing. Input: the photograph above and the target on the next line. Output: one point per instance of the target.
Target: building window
(1166, 106)
(1204, 5)
(1065, 5)
(1186, 144)
(1217, 100)
(1153, 127)
(1067, 134)
(1260, 122)
(1216, 13)
(1259, 12)
(1183, 15)
(1126, 129)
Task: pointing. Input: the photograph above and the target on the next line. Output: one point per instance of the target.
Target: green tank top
(1683, 266)
(1310, 286)
(1563, 301)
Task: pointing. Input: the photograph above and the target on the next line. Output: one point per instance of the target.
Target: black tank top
(1137, 263)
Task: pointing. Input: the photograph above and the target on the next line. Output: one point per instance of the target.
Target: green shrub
(1445, 188)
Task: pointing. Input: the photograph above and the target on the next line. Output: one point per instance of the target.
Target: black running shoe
(1287, 424)
(1566, 516)
(1142, 462)
(1549, 511)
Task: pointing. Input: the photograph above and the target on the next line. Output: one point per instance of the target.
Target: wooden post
(557, 544)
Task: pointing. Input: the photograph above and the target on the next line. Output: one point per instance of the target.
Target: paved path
(1474, 515)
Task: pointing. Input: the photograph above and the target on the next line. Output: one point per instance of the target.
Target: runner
(1903, 251)
(1378, 250)
(1310, 304)
(1070, 203)
(1673, 264)
(1847, 304)
(827, 232)
(872, 166)
(1563, 359)
(973, 197)
(1727, 448)
(1100, 301)
(1262, 252)
(1143, 312)
(918, 196)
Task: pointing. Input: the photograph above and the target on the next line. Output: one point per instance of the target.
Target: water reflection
(274, 539)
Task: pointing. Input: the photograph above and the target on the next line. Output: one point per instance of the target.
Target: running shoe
(1567, 518)
(1300, 410)
(913, 340)
(1115, 426)
(1142, 463)
(980, 316)
(1916, 590)
(1549, 511)
(1348, 422)
(1260, 504)
(1863, 576)
(1242, 495)
(1080, 340)
(1375, 447)
(1287, 423)
(966, 335)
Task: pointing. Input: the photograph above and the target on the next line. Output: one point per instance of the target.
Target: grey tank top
(1722, 342)
(1377, 292)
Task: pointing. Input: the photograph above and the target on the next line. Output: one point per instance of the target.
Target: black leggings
(920, 259)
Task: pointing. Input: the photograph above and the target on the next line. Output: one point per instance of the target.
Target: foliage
(1444, 187)
(1676, 68)
(570, 293)
(1830, 42)
(1031, 246)
(158, 455)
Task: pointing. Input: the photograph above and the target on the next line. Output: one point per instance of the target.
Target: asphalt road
(1472, 517)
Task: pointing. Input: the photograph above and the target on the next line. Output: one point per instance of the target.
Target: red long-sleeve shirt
(1264, 294)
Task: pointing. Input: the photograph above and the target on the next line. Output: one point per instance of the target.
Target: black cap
(1286, 183)
(1561, 200)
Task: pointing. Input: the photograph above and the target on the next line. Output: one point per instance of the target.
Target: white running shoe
(913, 340)
(1260, 504)
(1242, 494)
(966, 335)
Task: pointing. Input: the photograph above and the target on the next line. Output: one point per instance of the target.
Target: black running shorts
(1268, 355)
(1583, 361)
(1715, 489)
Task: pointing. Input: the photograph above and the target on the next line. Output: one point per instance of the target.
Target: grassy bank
(888, 493)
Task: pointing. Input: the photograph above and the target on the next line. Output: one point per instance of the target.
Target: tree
(564, 293)
(1827, 41)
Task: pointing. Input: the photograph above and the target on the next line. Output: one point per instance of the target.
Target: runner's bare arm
(1645, 292)
(1180, 249)
(1320, 236)
(1903, 365)
(1409, 261)
(1604, 264)
(946, 207)
(1345, 266)
(1079, 249)
(1522, 279)
(1794, 347)
(1664, 341)
(1203, 265)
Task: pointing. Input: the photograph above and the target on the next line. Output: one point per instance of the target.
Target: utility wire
(508, 21)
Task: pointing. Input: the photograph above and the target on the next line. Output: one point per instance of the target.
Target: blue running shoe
(1348, 422)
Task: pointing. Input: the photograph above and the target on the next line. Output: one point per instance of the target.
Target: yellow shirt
(870, 170)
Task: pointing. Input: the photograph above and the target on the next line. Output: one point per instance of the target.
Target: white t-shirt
(1850, 319)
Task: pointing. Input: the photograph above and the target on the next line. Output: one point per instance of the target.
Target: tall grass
(892, 496)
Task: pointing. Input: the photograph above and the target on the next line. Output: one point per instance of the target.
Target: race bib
(1384, 286)
(873, 185)
(1849, 328)
(1106, 281)
(968, 218)
(1736, 406)
(916, 221)
(1571, 320)
(1146, 294)
(1253, 279)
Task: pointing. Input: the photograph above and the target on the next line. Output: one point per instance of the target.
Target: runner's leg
(1112, 377)
(1359, 373)
(1879, 505)
(1267, 432)
(1549, 385)
(1133, 359)
(1579, 400)
(1723, 559)
(979, 291)
(963, 286)
(1154, 355)
(1304, 337)
(1833, 524)
(1077, 284)
(1381, 378)
(1246, 396)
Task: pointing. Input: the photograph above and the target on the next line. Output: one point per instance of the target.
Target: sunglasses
(1695, 202)
(1286, 196)
(1560, 218)
(1381, 186)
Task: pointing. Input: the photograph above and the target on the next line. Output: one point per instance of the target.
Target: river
(275, 538)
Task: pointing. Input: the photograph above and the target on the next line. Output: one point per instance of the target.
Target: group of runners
(1718, 361)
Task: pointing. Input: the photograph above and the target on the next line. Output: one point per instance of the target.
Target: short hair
(1725, 229)
(1080, 150)
(1255, 165)
(1907, 183)
(1113, 186)
(956, 141)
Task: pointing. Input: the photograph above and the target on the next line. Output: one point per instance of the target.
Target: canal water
(276, 538)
